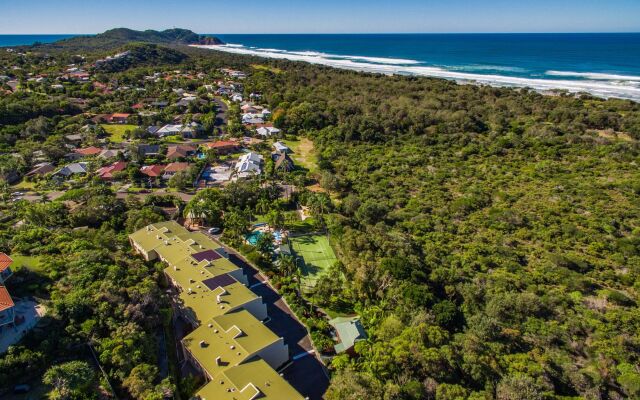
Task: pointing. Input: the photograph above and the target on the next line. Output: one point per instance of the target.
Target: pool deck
(32, 312)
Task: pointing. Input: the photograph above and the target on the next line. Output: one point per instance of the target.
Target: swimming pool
(252, 238)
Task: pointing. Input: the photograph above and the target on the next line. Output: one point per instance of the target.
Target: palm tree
(287, 265)
(263, 206)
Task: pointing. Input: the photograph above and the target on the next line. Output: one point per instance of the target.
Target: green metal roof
(234, 337)
(349, 330)
(203, 302)
(251, 380)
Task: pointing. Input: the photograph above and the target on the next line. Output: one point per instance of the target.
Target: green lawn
(316, 254)
(24, 185)
(30, 262)
(116, 132)
(303, 153)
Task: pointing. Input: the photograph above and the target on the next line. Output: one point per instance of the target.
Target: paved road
(221, 115)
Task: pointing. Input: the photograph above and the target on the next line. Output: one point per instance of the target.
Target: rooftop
(251, 380)
(5, 299)
(228, 340)
(177, 246)
(5, 261)
(207, 302)
(349, 330)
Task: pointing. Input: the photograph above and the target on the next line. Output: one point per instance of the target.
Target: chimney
(218, 360)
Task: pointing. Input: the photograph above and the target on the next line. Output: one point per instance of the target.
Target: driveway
(306, 373)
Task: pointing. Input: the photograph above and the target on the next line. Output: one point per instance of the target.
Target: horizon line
(354, 33)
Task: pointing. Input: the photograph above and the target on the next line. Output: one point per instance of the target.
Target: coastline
(597, 84)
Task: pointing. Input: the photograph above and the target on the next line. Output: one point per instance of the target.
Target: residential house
(109, 172)
(173, 168)
(74, 138)
(152, 171)
(349, 330)
(252, 119)
(266, 131)
(159, 104)
(88, 151)
(109, 153)
(119, 118)
(80, 168)
(281, 148)
(223, 146)
(249, 164)
(188, 131)
(250, 109)
(41, 169)
(282, 162)
(148, 150)
(180, 151)
(5, 267)
(7, 307)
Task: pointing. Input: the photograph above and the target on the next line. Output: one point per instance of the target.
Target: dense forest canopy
(488, 237)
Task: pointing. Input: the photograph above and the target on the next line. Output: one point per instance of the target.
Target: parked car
(214, 230)
(18, 389)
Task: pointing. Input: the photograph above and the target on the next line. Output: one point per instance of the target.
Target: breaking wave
(597, 84)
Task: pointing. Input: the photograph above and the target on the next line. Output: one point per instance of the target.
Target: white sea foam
(595, 76)
(601, 85)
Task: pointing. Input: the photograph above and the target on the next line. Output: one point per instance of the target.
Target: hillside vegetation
(490, 237)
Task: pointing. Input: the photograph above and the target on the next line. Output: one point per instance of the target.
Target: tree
(275, 219)
(264, 244)
(180, 180)
(69, 380)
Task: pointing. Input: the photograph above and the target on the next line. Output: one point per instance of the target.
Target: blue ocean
(603, 64)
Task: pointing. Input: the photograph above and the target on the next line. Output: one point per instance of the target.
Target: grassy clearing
(24, 185)
(316, 254)
(266, 68)
(303, 153)
(116, 132)
(30, 262)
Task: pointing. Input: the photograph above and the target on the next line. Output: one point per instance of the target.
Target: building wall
(276, 354)
(239, 276)
(257, 308)
(7, 316)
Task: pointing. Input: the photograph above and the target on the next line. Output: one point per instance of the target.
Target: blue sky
(321, 16)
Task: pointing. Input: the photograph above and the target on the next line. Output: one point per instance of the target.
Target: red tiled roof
(5, 299)
(89, 151)
(180, 150)
(137, 106)
(221, 144)
(120, 115)
(108, 171)
(152, 170)
(176, 167)
(5, 261)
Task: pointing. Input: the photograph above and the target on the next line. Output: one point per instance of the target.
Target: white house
(249, 164)
(73, 169)
(187, 131)
(267, 131)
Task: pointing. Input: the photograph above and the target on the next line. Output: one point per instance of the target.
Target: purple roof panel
(219, 281)
(208, 255)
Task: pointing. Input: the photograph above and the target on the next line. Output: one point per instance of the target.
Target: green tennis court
(316, 257)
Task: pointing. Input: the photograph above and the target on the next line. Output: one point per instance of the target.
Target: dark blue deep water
(604, 64)
(19, 40)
